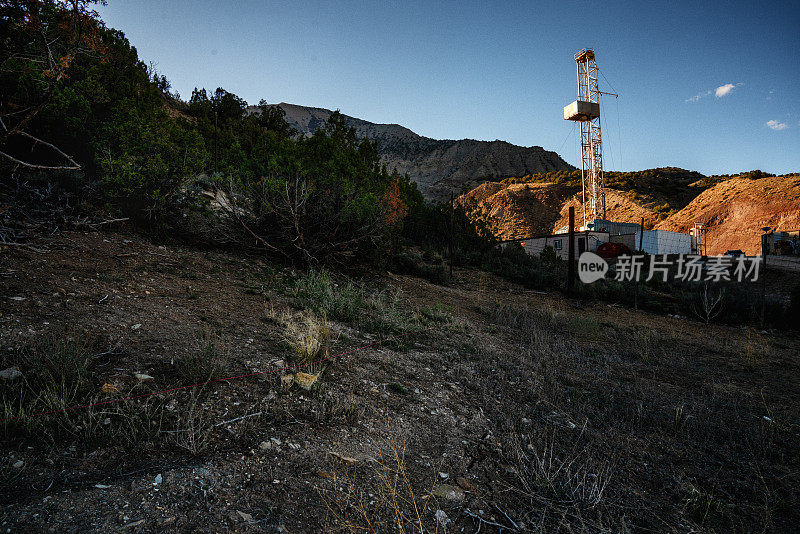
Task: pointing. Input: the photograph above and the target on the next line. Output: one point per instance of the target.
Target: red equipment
(612, 250)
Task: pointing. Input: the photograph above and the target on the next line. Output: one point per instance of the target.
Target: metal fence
(782, 250)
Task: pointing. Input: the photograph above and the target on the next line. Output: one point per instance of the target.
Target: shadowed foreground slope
(509, 408)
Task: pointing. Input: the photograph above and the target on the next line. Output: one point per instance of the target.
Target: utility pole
(641, 236)
(571, 265)
(636, 282)
(450, 242)
(216, 153)
(764, 275)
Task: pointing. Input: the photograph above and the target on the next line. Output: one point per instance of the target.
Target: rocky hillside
(734, 209)
(516, 211)
(440, 167)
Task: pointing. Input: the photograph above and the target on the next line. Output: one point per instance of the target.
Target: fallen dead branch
(482, 521)
(238, 419)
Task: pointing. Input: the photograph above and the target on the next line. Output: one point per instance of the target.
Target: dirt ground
(505, 410)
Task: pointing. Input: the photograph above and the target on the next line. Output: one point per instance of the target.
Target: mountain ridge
(440, 167)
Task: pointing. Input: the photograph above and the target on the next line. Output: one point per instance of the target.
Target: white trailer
(664, 242)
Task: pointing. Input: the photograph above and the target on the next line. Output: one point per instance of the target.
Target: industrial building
(631, 235)
(559, 242)
(635, 237)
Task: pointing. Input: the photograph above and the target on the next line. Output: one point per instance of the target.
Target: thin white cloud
(697, 97)
(719, 92)
(723, 90)
(775, 125)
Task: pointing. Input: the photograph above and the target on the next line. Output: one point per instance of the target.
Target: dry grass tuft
(309, 337)
(568, 477)
(194, 429)
(386, 501)
(755, 348)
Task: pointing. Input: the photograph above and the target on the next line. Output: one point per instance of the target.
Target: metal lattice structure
(586, 110)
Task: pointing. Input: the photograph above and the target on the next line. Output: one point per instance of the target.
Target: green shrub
(397, 387)
(438, 313)
(413, 263)
(513, 263)
(383, 315)
(376, 311)
(340, 301)
(431, 256)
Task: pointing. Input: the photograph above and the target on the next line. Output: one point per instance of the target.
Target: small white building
(601, 231)
(666, 242)
(586, 240)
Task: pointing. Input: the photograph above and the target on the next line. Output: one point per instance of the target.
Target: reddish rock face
(735, 210)
(516, 211)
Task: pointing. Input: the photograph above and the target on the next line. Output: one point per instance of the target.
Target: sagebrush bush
(413, 263)
(309, 337)
(318, 291)
(376, 311)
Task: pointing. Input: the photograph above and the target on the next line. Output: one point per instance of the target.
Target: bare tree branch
(40, 167)
(36, 140)
(49, 44)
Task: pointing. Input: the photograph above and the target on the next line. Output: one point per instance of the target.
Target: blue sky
(707, 86)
